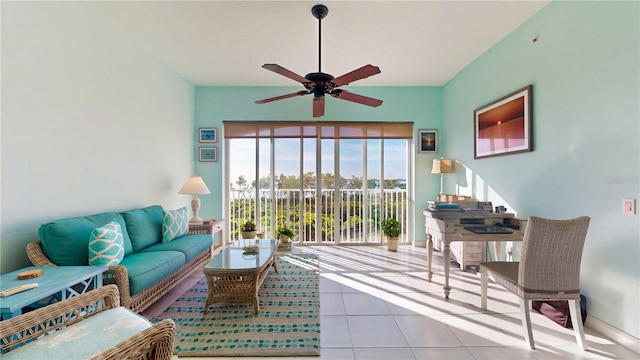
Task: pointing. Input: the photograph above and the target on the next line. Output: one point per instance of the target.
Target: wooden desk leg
(447, 265)
(497, 251)
(429, 256)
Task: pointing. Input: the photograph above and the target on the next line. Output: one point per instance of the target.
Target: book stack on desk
(435, 206)
(477, 207)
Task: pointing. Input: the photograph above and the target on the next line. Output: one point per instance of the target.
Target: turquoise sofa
(149, 268)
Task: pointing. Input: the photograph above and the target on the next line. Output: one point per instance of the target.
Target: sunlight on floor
(377, 304)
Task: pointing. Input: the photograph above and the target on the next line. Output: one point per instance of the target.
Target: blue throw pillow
(106, 245)
(175, 224)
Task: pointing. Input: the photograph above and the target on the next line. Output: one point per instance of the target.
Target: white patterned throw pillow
(106, 245)
(175, 224)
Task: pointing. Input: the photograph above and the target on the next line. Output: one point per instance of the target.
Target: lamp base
(195, 221)
(195, 206)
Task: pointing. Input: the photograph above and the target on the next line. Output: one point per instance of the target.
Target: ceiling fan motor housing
(320, 83)
(319, 11)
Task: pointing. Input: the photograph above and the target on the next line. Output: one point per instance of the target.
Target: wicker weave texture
(226, 286)
(153, 343)
(22, 329)
(156, 342)
(118, 276)
(551, 255)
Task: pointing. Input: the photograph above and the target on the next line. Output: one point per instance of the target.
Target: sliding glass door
(330, 182)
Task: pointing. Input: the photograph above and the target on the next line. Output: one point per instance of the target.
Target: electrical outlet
(629, 206)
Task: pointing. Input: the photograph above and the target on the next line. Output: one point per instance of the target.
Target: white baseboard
(614, 334)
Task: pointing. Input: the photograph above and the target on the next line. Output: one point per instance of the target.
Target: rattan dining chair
(549, 269)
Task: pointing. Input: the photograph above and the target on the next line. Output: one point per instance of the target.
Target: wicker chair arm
(22, 329)
(155, 342)
(119, 276)
(36, 254)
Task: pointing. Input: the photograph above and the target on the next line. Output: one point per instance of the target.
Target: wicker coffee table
(234, 275)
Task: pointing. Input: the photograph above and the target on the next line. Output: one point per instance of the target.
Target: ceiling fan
(319, 83)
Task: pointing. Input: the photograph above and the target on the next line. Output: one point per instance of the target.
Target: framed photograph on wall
(428, 141)
(503, 127)
(208, 135)
(208, 153)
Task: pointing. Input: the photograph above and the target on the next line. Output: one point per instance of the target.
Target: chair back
(551, 255)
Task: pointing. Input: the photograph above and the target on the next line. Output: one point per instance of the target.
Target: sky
(287, 155)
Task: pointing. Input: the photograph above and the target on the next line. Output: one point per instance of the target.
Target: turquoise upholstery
(146, 269)
(144, 226)
(190, 245)
(147, 260)
(65, 242)
(84, 339)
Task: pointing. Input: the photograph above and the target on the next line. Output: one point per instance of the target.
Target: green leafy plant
(390, 227)
(284, 230)
(248, 225)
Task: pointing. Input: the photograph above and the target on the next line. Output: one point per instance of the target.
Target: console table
(57, 282)
(469, 248)
(211, 226)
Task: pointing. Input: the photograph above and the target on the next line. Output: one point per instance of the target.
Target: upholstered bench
(89, 326)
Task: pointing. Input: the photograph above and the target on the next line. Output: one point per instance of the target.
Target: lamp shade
(442, 166)
(194, 186)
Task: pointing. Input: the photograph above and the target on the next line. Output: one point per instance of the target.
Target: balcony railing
(352, 217)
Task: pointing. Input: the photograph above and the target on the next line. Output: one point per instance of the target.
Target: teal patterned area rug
(288, 323)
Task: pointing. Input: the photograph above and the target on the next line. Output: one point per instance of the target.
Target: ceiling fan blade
(284, 72)
(299, 93)
(318, 106)
(361, 73)
(349, 96)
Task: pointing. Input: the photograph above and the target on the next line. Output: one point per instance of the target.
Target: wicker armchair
(155, 342)
(549, 269)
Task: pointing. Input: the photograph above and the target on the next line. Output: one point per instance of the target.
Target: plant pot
(248, 234)
(260, 235)
(284, 239)
(392, 243)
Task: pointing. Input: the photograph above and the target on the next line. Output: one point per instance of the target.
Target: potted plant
(284, 233)
(248, 229)
(391, 229)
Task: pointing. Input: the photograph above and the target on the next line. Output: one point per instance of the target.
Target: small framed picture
(208, 135)
(208, 153)
(428, 141)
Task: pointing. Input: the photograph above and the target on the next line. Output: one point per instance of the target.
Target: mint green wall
(585, 75)
(90, 122)
(420, 105)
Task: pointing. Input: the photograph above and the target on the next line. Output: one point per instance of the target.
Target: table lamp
(195, 186)
(442, 166)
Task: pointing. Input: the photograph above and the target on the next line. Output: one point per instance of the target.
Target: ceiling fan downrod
(319, 12)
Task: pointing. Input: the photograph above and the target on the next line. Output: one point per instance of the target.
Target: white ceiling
(415, 43)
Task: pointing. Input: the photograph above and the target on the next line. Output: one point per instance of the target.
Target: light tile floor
(377, 304)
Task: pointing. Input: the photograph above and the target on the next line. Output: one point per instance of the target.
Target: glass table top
(234, 257)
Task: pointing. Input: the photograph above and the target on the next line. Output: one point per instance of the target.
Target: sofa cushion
(175, 224)
(65, 241)
(106, 247)
(146, 269)
(191, 245)
(86, 338)
(144, 226)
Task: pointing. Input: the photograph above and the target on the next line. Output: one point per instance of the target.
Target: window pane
(242, 200)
